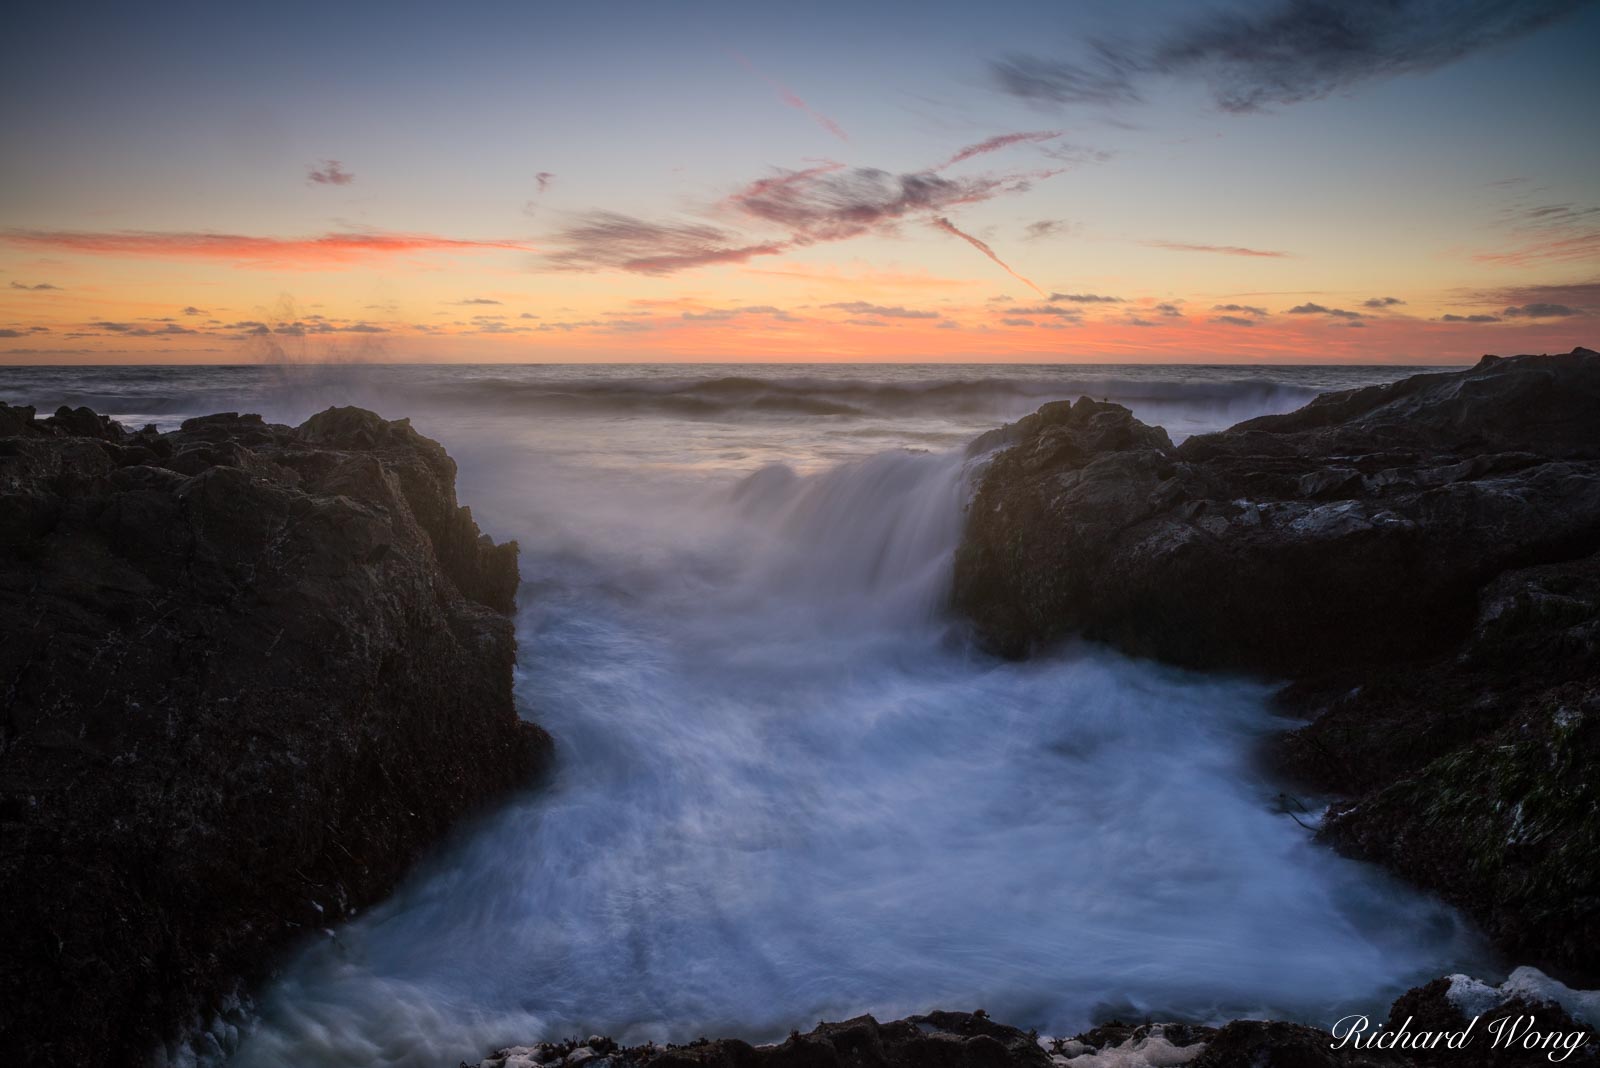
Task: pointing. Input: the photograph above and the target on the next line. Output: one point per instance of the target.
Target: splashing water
(787, 789)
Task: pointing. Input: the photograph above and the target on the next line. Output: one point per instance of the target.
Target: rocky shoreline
(1516, 1027)
(254, 671)
(251, 672)
(1421, 559)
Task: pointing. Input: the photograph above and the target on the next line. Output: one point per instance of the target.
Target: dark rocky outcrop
(1477, 773)
(1354, 531)
(972, 1040)
(1422, 559)
(247, 674)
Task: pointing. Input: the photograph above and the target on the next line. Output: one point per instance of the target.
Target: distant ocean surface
(788, 788)
(807, 413)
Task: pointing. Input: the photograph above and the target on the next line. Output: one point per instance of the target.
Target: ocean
(788, 787)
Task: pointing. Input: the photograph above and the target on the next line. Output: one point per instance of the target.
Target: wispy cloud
(1580, 295)
(1539, 311)
(1226, 250)
(331, 172)
(1234, 320)
(1451, 318)
(996, 143)
(717, 315)
(1053, 311)
(475, 300)
(1283, 52)
(950, 228)
(1240, 309)
(824, 203)
(1583, 246)
(544, 178)
(609, 239)
(1085, 298)
(1318, 309)
(1034, 231)
(1381, 302)
(35, 288)
(827, 203)
(861, 307)
(328, 251)
(791, 98)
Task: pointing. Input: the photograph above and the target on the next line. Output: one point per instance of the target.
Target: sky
(1366, 181)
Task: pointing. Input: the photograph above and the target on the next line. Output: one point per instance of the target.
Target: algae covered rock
(250, 673)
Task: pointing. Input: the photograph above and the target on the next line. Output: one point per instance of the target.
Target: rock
(1473, 773)
(970, 1040)
(937, 1040)
(1422, 558)
(1353, 532)
(250, 673)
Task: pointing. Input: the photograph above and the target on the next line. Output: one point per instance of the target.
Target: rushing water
(787, 788)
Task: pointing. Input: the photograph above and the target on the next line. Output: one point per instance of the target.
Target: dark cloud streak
(1282, 52)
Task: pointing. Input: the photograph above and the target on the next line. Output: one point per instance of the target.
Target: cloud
(1556, 247)
(327, 252)
(831, 203)
(861, 307)
(37, 287)
(791, 98)
(475, 300)
(1282, 52)
(1241, 309)
(192, 310)
(544, 179)
(1539, 311)
(996, 143)
(724, 314)
(331, 172)
(1085, 298)
(1381, 302)
(1226, 250)
(1043, 228)
(1234, 320)
(1170, 310)
(1018, 322)
(1469, 318)
(609, 239)
(132, 330)
(1047, 309)
(1318, 309)
(8, 332)
(824, 203)
(1578, 295)
(950, 228)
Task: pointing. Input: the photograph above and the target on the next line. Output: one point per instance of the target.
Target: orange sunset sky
(704, 182)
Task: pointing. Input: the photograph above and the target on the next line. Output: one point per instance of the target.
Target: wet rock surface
(971, 1040)
(1422, 559)
(1477, 773)
(248, 673)
(1357, 530)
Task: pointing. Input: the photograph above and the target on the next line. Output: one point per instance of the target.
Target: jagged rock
(937, 1040)
(971, 1040)
(1423, 558)
(1355, 531)
(249, 673)
(1474, 773)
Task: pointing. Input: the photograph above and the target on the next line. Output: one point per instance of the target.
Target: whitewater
(788, 787)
